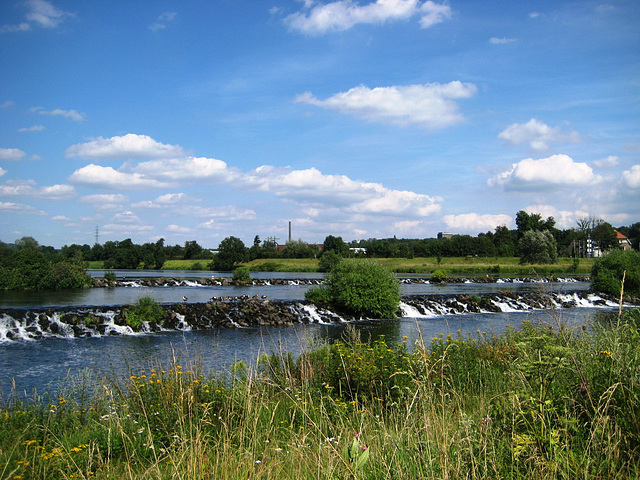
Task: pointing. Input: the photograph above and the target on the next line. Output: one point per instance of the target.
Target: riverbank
(540, 403)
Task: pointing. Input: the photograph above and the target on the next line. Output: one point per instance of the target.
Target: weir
(72, 322)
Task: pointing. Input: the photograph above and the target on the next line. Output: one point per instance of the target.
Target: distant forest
(502, 242)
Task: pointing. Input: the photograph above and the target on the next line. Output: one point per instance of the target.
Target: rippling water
(40, 364)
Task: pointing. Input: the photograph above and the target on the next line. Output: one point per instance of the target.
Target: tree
(537, 247)
(604, 237)
(608, 271)
(362, 287)
(231, 253)
(299, 249)
(336, 245)
(191, 250)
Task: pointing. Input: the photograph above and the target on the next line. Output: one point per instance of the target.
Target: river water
(41, 365)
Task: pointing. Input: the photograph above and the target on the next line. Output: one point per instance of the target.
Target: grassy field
(540, 403)
(452, 266)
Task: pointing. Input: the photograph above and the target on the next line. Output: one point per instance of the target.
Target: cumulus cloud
(431, 105)
(105, 198)
(344, 14)
(28, 189)
(126, 146)
(631, 178)
(2, 171)
(162, 21)
(72, 114)
(19, 208)
(60, 218)
(610, 161)
(177, 229)
(538, 135)
(163, 201)
(475, 222)
(310, 186)
(187, 168)
(556, 170)
(107, 177)
(11, 154)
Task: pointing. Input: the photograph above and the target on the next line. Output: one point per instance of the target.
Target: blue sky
(204, 119)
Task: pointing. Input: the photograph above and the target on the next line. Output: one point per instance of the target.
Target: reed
(539, 402)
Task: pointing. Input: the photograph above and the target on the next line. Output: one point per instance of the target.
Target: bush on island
(145, 310)
(362, 287)
(607, 273)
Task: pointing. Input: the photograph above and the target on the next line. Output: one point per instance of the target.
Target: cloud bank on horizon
(360, 119)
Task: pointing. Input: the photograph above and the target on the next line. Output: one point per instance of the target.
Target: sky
(205, 119)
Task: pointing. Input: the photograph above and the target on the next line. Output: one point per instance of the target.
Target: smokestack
(289, 231)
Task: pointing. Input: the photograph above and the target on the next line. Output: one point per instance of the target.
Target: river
(42, 365)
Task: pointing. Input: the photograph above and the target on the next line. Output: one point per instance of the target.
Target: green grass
(540, 403)
(505, 266)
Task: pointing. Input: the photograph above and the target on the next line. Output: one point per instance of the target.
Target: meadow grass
(541, 402)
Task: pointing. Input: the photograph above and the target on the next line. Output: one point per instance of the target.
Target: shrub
(328, 261)
(538, 247)
(241, 275)
(145, 310)
(318, 295)
(364, 287)
(110, 276)
(439, 276)
(607, 272)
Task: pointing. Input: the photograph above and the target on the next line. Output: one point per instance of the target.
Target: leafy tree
(363, 287)
(607, 273)
(604, 236)
(336, 245)
(537, 247)
(505, 242)
(27, 242)
(328, 261)
(231, 253)
(299, 249)
(191, 250)
(526, 222)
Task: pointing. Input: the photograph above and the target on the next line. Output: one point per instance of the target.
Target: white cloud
(2, 171)
(187, 168)
(107, 177)
(34, 128)
(125, 217)
(8, 104)
(564, 218)
(430, 105)
(610, 161)
(631, 178)
(72, 114)
(28, 189)
(227, 212)
(123, 230)
(11, 154)
(556, 170)
(537, 134)
(501, 41)
(105, 198)
(475, 222)
(162, 201)
(534, 15)
(19, 208)
(127, 146)
(44, 13)
(177, 229)
(60, 218)
(344, 14)
(162, 20)
(311, 187)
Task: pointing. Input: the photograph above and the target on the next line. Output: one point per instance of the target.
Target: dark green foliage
(438, 276)
(335, 245)
(538, 247)
(328, 261)
(145, 310)
(241, 275)
(607, 272)
(318, 295)
(231, 253)
(364, 287)
(30, 268)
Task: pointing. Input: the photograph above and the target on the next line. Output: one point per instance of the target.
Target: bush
(364, 287)
(241, 275)
(538, 247)
(439, 276)
(318, 295)
(145, 310)
(607, 272)
(328, 261)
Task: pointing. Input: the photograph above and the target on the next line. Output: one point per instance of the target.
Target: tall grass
(539, 402)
